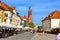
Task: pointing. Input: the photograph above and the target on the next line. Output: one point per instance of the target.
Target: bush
(31, 24)
(39, 27)
(45, 31)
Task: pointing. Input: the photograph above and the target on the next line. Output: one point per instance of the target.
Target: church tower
(30, 14)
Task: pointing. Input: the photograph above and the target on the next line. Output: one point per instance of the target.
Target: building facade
(52, 20)
(9, 15)
(26, 19)
(29, 17)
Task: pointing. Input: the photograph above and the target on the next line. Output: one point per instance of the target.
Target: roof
(6, 7)
(53, 15)
(24, 17)
(12, 7)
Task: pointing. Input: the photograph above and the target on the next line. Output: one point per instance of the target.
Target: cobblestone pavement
(22, 36)
(30, 36)
(44, 37)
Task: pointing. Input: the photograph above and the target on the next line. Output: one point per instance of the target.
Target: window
(11, 16)
(10, 20)
(6, 15)
(5, 20)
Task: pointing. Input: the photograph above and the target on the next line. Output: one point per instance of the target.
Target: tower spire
(30, 14)
(30, 8)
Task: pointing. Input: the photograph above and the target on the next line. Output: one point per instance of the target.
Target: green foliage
(39, 27)
(14, 32)
(45, 31)
(31, 24)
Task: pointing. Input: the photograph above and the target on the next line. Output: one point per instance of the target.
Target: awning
(9, 25)
(19, 27)
(3, 24)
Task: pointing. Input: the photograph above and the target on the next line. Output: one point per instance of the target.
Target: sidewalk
(22, 36)
(44, 37)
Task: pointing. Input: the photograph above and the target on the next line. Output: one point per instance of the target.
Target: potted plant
(14, 32)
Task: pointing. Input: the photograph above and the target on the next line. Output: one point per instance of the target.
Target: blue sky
(40, 8)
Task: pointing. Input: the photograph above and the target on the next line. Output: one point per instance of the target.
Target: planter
(3, 35)
(14, 34)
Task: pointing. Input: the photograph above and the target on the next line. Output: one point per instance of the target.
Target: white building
(9, 15)
(52, 20)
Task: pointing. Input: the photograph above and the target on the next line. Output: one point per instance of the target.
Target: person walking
(41, 31)
(33, 31)
(58, 36)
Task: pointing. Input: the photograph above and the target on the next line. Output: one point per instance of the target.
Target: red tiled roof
(55, 14)
(24, 17)
(12, 7)
(6, 7)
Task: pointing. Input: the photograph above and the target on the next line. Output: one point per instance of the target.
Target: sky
(40, 8)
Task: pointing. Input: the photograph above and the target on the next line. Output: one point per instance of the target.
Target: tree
(39, 27)
(31, 24)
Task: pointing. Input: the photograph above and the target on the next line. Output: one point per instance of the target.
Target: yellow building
(2, 16)
(9, 15)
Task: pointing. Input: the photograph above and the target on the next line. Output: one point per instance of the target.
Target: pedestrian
(58, 36)
(33, 31)
(41, 31)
